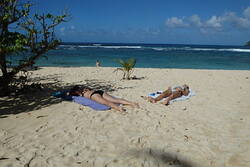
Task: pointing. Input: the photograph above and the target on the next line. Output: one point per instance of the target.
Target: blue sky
(153, 21)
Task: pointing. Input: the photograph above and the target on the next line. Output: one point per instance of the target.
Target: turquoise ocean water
(150, 55)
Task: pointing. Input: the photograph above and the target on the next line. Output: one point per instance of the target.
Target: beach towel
(81, 100)
(156, 94)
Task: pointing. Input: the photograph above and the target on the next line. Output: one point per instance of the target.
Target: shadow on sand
(35, 99)
(159, 158)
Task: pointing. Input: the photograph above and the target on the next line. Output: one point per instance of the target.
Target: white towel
(191, 93)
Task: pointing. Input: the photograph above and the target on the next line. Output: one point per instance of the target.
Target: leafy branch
(126, 67)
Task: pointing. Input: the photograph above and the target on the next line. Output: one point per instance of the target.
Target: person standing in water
(98, 64)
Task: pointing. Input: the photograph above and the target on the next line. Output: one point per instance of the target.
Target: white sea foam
(122, 47)
(200, 49)
(240, 50)
(221, 50)
(97, 44)
(66, 46)
(156, 48)
(109, 47)
(87, 46)
(167, 49)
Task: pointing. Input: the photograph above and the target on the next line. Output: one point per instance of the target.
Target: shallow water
(150, 56)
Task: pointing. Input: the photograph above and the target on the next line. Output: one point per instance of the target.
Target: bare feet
(150, 99)
(135, 105)
(120, 109)
(165, 102)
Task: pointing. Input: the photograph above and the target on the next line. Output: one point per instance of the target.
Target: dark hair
(186, 86)
(75, 90)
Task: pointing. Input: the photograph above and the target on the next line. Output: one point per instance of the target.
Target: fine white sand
(211, 129)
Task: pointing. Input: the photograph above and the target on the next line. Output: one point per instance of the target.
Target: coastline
(209, 129)
(149, 55)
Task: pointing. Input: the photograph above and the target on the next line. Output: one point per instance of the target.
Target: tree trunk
(4, 79)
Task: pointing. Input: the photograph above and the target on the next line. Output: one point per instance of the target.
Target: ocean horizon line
(141, 43)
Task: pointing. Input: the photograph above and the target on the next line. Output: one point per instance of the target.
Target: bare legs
(168, 94)
(166, 102)
(172, 96)
(163, 95)
(119, 100)
(112, 102)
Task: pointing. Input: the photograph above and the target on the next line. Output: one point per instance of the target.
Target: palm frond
(120, 61)
(126, 66)
(118, 69)
(131, 62)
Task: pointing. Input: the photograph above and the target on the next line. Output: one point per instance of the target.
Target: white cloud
(242, 23)
(238, 22)
(246, 13)
(195, 20)
(175, 22)
(214, 22)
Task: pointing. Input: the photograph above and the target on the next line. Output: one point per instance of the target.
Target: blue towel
(62, 94)
(80, 100)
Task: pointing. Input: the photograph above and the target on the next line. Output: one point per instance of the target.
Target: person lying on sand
(170, 94)
(101, 97)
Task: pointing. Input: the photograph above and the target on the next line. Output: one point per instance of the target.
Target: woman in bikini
(101, 97)
(170, 94)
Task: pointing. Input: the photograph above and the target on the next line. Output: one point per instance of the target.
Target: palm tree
(126, 67)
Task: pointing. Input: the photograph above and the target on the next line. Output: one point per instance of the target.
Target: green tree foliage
(126, 67)
(32, 35)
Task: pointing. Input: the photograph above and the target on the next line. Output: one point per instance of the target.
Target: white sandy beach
(211, 129)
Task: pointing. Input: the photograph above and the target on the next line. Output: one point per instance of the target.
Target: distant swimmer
(97, 63)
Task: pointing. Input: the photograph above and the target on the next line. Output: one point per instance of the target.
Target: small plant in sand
(126, 67)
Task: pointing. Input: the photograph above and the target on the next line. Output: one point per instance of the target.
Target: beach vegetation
(26, 35)
(127, 67)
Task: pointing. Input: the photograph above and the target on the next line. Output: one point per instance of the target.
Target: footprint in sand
(42, 127)
(140, 141)
(104, 117)
(2, 133)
